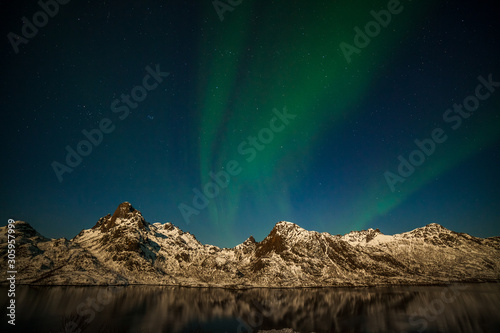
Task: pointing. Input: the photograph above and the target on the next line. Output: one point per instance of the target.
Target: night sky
(276, 112)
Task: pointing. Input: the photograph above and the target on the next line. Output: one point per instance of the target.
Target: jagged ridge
(124, 248)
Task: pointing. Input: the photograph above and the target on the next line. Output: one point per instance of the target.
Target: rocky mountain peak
(430, 229)
(363, 236)
(125, 213)
(250, 240)
(285, 224)
(435, 226)
(281, 237)
(25, 230)
(284, 227)
(247, 246)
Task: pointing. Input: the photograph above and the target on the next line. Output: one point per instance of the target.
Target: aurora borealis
(322, 168)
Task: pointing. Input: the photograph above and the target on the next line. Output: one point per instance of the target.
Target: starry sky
(225, 117)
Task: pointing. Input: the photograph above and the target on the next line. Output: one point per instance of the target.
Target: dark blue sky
(324, 167)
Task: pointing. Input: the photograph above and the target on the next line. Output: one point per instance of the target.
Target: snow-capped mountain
(124, 248)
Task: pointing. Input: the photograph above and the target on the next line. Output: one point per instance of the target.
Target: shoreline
(385, 285)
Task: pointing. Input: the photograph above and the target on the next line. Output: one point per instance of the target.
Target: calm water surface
(456, 308)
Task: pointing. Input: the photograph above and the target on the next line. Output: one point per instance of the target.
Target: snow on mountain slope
(368, 237)
(40, 260)
(124, 248)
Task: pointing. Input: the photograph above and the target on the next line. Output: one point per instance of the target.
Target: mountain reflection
(459, 308)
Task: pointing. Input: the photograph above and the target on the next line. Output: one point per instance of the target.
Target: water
(456, 308)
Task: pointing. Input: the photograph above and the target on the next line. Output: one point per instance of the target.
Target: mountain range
(124, 248)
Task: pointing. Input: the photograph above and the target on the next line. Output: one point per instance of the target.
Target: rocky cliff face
(123, 248)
